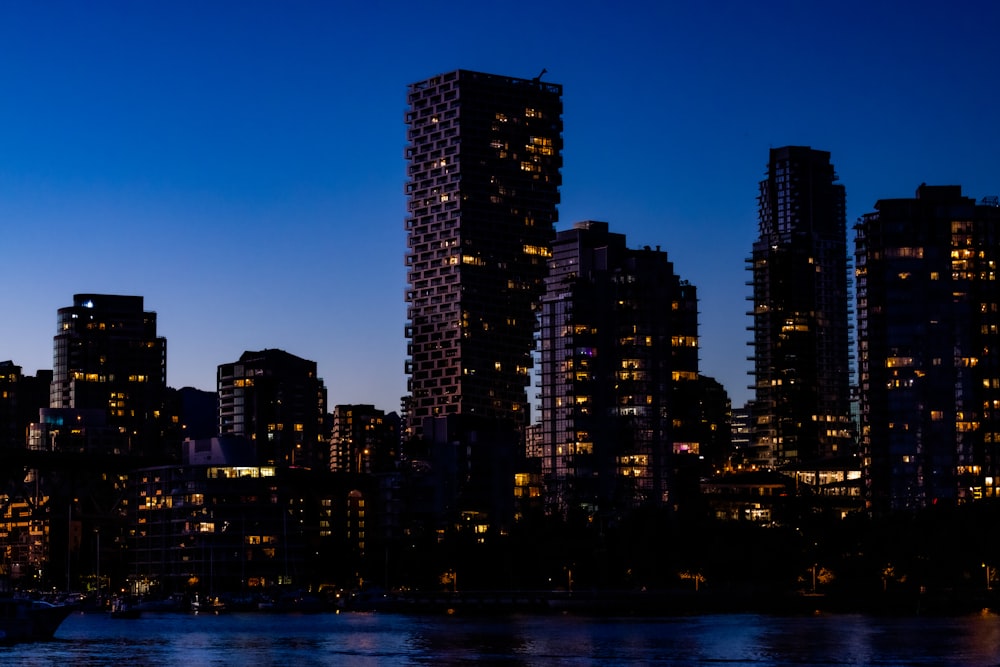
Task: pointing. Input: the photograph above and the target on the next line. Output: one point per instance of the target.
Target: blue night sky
(240, 164)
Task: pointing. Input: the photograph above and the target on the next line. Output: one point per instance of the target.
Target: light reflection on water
(290, 640)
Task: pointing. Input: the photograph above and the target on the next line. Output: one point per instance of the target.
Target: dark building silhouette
(716, 434)
(364, 440)
(929, 346)
(275, 400)
(483, 158)
(108, 357)
(472, 474)
(801, 333)
(619, 373)
(197, 412)
(21, 397)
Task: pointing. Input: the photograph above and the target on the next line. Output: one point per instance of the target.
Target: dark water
(386, 639)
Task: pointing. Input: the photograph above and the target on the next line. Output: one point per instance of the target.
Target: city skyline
(244, 171)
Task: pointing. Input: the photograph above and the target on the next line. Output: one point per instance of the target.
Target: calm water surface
(292, 640)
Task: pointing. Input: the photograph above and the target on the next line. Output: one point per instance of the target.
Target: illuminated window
(899, 253)
(540, 146)
(537, 250)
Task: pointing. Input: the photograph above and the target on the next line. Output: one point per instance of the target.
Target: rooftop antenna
(538, 79)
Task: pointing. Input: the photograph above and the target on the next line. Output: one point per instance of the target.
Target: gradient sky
(240, 164)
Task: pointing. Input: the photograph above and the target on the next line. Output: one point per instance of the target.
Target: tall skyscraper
(929, 345)
(619, 374)
(107, 357)
(276, 401)
(801, 334)
(483, 162)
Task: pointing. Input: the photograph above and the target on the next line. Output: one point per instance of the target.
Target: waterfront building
(276, 401)
(107, 356)
(483, 155)
(23, 527)
(24, 540)
(223, 523)
(801, 333)
(929, 347)
(104, 412)
(756, 496)
(618, 374)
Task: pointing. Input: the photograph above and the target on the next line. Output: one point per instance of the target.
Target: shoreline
(668, 603)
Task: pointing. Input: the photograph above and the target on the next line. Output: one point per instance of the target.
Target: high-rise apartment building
(929, 347)
(483, 157)
(618, 373)
(801, 331)
(107, 357)
(276, 401)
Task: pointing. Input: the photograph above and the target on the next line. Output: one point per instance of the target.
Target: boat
(24, 619)
(123, 608)
(210, 604)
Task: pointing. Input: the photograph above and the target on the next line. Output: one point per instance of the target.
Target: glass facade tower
(929, 346)
(619, 373)
(801, 331)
